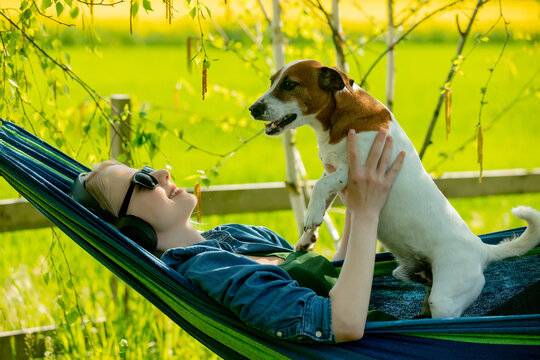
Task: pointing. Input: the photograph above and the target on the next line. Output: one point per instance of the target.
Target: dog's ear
(332, 79)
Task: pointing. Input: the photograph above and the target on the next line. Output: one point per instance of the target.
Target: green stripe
(384, 267)
(501, 339)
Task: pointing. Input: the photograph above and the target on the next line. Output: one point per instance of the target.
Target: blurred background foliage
(62, 59)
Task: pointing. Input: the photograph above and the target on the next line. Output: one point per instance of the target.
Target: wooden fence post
(120, 138)
(121, 128)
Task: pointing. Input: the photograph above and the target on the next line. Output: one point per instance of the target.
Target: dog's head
(300, 92)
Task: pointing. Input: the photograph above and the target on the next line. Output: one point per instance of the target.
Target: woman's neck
(180, 236)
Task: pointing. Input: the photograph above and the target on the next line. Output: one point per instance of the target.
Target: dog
(430, 241)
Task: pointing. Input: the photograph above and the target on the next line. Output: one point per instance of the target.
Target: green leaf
(45, 4)
(147, 5)
(24, 5)
(59, 8)
(122, 157)
(134, 9)
(193, 12)
(74, 12)
(208, 11)
(72, 317)
(60, 302)
(25, 15)
(69, 2)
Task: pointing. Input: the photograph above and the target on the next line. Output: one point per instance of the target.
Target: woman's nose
(162, 176)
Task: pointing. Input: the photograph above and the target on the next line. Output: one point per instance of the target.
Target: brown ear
(332, 79)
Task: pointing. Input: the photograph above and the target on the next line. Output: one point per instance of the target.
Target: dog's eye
(289, 85)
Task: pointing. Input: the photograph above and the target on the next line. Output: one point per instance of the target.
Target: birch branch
(390, 64)
(402, 37)
(453, 69)
(520, 96)
(337, 36)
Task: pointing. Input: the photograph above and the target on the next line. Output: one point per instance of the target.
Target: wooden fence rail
(18, 214)
(30, 343)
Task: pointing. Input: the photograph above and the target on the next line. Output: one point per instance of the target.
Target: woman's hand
(368, 185)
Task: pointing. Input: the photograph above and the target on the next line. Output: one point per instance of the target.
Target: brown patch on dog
(359, 111)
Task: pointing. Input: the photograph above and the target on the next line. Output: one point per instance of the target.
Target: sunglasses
(143, 180)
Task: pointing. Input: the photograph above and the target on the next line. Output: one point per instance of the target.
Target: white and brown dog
(430, 241)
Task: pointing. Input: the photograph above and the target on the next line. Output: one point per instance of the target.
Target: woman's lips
(175, 192)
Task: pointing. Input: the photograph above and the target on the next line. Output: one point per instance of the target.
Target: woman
(241, 266)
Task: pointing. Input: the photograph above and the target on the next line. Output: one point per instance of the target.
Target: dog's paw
(314, 217)
(306, 241)
(401, 274)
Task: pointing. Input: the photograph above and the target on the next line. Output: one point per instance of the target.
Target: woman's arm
(365, 195)
(342, 250)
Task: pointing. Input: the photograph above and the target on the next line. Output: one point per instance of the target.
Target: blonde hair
(99, 186)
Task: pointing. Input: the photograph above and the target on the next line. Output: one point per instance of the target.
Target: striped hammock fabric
(43, 175)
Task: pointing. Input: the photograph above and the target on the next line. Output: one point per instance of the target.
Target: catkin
(197, 192)
(480, 150)
(204, 80)
(448, 103)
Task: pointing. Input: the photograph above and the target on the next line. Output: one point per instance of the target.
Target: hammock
(43, 175)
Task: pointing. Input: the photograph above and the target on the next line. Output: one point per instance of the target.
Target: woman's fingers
(384, 161)
(393, 172)
(376, 148)
(352, 149)
(379, 156)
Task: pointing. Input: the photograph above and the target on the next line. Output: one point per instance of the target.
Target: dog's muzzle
(257, 110)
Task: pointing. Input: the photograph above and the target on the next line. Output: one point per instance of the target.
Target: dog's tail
(522, 244)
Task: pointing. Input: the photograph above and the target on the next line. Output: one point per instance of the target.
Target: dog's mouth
(276, 127)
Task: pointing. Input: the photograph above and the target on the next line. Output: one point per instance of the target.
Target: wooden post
(120, 137)
(120, 130)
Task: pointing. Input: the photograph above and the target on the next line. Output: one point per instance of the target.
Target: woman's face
(162, 207)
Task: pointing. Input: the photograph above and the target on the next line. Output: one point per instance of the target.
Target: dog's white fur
(417, 224)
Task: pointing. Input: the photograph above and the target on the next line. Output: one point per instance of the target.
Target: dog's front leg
(322, 195)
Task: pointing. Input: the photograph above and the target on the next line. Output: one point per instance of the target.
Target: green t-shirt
(315, 272)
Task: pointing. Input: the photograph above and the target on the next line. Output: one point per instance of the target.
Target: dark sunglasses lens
(147, 169)
(146, 180)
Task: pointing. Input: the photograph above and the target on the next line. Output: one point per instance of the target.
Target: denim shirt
(263, 296)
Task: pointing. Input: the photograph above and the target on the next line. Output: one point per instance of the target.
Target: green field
(152, 73)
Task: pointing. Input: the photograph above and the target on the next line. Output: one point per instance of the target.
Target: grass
(30, 285)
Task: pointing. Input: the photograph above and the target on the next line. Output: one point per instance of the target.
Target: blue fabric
(504, 279)
(43, 175)
(263, 296)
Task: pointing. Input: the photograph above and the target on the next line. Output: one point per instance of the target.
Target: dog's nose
(257, 109)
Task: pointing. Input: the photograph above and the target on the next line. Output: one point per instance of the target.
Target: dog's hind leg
(454, 289)
(426, 311)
